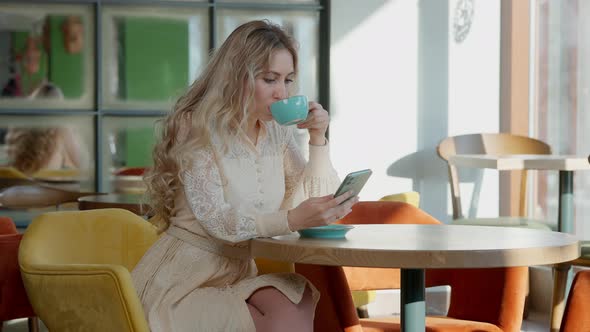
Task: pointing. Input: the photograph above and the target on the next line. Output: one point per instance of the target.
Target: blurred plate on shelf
(61, 179)
(58, 175)
(128, 184)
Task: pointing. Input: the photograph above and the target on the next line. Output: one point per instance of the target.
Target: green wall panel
(65, 70)
(138, 147)
(156, 58)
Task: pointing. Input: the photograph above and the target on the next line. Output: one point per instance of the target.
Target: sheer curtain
(560, 99)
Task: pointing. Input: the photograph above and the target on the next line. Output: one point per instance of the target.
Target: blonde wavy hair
(215, 104)
(30, 149)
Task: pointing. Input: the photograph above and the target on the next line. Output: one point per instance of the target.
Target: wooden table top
(131, 202)
(424, 246)
(523, 161)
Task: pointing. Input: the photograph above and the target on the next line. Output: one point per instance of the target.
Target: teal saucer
(333, 231)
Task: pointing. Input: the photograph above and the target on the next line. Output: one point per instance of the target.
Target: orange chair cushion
(500, 294)
(576, 316)
(381, 212)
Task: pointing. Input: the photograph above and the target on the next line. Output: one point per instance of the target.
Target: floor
(20, 325)
(536, 322)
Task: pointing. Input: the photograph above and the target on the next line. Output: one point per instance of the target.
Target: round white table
(414, 248)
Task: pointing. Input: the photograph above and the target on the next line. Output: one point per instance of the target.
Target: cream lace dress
(198, 275)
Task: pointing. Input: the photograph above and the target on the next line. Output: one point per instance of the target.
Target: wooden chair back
(493, 144)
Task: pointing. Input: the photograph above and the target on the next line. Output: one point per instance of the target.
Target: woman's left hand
(316, 123)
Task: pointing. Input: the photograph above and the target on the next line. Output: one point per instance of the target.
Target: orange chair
(14, 302)
(575, 317)
(481, 299)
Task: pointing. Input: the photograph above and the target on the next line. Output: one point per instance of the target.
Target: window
(111, 79)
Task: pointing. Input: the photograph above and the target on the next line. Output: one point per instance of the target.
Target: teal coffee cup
(290, 111)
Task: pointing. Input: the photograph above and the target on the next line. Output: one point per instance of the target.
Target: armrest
(90, 297)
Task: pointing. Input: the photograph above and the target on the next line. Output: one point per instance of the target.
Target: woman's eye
(269, 80)
(288, 81)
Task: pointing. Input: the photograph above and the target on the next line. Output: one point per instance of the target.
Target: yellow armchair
(410, 197)
(76, 269)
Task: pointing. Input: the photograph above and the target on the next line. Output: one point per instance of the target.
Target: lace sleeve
(303, 180)
(203, 187)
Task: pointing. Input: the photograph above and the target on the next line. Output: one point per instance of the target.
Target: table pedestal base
(413, 305)
(560, 278)
(565, 221)
(565, 224)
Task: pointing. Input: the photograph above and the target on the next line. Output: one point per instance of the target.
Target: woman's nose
(281, 91)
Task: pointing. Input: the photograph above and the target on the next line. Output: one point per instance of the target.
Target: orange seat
(575, 317)
(481, 299)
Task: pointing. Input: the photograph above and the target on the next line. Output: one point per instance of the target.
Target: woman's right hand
(320, 211)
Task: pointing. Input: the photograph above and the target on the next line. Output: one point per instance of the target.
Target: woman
(223, 173)
(33, 149)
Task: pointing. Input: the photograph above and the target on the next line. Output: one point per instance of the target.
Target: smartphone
(354, 181)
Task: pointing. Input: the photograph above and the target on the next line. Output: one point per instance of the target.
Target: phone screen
(354, 181)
